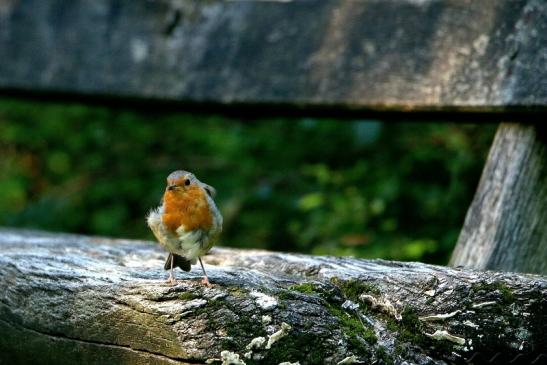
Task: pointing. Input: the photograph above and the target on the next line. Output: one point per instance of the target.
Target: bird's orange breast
(189, 208)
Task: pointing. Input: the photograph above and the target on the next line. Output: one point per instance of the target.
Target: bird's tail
(178, 261)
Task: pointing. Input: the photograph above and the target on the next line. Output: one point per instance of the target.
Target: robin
(187, 223)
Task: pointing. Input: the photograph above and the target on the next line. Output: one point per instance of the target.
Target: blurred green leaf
(311, 201)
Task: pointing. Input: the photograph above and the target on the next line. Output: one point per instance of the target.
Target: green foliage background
(364, 188)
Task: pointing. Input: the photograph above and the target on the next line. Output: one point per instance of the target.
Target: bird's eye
(187, 182)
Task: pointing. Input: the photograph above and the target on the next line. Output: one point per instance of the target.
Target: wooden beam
(371, 54)
(67, 299)
(506, 226)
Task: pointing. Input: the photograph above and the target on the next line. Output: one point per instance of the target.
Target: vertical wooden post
(506, 226)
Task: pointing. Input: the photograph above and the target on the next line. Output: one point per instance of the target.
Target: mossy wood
(349, 55)
(68, 299)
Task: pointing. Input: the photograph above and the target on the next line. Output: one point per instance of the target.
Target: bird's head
(179, 182)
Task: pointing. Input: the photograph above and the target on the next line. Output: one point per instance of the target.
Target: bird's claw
(171, 281)
(205, 281)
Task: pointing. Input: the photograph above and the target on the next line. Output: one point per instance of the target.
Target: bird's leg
(171, 279)
(205, 280)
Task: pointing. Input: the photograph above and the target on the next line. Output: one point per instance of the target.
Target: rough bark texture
(376, 54)
(75, 299)
(506, 226)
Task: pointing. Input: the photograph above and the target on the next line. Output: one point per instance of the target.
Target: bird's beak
(171, 187)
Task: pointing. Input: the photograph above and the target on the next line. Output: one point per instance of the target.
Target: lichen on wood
(68, 298)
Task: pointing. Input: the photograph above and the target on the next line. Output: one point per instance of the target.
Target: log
(69, 299)
(506, 225)
(399, 55)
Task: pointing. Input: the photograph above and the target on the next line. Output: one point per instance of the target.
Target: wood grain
(68, 299)
(347, 55)
(506, 225)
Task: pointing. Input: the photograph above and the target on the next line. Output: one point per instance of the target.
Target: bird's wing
(209, 189)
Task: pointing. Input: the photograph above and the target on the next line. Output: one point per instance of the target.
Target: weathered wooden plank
(75, 299)
(369, 54)
(506, 226)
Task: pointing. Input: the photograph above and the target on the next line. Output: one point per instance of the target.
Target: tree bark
(75, 299)
(506, 226)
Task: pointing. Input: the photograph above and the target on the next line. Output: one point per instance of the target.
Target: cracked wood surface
(354, 55)
(76, 299)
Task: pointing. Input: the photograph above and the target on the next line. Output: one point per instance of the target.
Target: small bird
(187, 223)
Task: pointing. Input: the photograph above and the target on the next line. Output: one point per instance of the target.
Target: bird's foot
(205, 281)
(171, 281)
